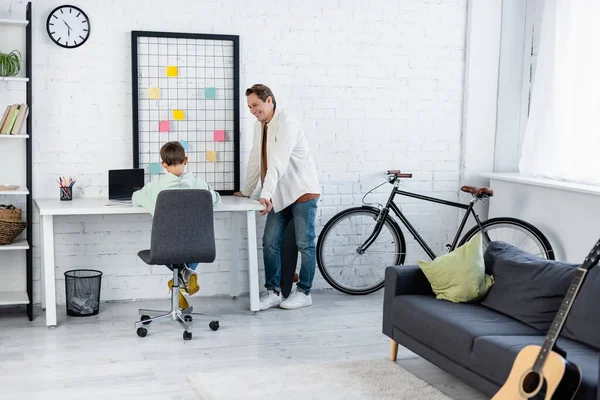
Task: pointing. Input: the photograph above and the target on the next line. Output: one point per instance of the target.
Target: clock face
(68, 26)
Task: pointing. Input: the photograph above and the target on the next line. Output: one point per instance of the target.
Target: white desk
(53, 207)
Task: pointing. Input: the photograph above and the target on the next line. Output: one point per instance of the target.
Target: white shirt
(291, 169)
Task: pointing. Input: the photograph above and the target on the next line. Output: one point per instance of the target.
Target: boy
(174, 161)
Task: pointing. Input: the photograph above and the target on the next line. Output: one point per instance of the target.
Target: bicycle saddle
(478, 191)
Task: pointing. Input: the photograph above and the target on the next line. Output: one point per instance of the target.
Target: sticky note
(155, 168)
(210, 93)
(164, 126)
(219, 136)
(178, 115)
(211, 156)
(154, 93)
(172, 71)
(184, 144)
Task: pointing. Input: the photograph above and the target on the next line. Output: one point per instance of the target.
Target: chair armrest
(402, 280)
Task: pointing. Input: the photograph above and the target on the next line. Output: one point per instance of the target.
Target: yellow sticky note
(211, 156)
(178, 115)
(172, 71)
(154, 93)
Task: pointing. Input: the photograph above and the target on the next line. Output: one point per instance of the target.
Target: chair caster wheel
(144, 318)
(187, 335)
(214, 325)
(187, 318)
(142, 332)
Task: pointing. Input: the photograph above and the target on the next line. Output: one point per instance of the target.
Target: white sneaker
(296, 299)
(269, 299)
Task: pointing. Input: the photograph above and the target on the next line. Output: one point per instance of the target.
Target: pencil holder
(66, 193)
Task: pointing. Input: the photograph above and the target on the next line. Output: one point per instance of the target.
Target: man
(282, 160)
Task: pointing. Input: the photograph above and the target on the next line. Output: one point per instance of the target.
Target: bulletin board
(185, 88)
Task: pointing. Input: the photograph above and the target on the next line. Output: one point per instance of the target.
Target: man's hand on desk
(267, 204)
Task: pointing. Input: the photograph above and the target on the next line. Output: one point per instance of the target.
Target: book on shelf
(13, 118)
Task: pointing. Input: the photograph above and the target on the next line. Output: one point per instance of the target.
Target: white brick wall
(377, 85)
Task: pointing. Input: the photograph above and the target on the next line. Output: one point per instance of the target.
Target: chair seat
(145, 256)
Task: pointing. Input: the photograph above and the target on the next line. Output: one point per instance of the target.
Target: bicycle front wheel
(515, 232)
(341, 261)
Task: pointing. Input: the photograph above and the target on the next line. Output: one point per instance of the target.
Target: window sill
(544, 182)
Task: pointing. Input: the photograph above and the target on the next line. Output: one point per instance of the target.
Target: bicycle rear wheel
(515, 232)
(341, 263)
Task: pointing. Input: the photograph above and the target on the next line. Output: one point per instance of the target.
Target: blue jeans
(304, 215)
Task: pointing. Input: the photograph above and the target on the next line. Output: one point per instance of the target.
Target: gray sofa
(478, 342)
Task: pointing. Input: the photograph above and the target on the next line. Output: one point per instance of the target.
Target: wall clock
(68, 26)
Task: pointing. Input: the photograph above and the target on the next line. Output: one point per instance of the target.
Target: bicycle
(371, 236)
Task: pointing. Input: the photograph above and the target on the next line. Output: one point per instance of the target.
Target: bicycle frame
(391, 205)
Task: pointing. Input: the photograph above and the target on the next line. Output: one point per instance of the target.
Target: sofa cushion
(526, 287)
(584, 318)
(493, 358)
(450, 328)
(459, 276)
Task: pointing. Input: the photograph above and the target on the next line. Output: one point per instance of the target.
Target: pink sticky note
(219, 136)
(164, 126)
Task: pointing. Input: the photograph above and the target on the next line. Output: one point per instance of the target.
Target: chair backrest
(183, 227)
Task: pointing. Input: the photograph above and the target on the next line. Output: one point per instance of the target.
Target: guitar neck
(560, 319)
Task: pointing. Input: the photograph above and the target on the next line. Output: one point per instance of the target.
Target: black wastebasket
(82, 287)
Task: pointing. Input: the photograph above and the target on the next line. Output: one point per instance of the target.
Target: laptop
(123, 182)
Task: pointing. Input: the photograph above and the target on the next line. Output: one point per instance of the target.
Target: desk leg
(234, 279)
(252, 261)
(42, 278)
(48, 265)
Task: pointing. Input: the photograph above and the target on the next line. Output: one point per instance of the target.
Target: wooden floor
(101, 357)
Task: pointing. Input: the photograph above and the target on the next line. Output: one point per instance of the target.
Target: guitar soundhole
(531, 382)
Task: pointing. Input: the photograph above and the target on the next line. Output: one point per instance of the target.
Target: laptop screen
(123, 182)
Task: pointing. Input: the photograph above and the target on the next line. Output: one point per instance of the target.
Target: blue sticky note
(184, 144)
(155, 168)
(210, 93)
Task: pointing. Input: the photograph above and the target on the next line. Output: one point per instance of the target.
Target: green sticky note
(155, 168)
(210, 93)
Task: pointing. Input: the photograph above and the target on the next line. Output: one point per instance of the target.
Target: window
(563, 123)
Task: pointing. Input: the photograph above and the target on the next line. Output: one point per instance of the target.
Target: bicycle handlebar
(398, 173)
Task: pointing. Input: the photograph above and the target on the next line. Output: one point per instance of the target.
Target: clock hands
(67, 25)
(69, 31)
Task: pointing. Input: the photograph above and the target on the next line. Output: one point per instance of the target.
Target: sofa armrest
(401, 280)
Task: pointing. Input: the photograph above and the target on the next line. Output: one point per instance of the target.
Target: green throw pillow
(459, 276)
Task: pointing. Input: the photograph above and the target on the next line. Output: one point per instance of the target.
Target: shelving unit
(13, 79)
(14, 295)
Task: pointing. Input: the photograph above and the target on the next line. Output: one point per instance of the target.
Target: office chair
(182, 233)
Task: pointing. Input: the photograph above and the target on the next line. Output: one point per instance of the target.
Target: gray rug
(374, 379)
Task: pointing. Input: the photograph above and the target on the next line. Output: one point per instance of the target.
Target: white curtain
(562, 138)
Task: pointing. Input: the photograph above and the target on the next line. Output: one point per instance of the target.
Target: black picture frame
(135, 35)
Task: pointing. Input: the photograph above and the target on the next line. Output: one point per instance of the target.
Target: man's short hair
(172, 153)
(262, 92)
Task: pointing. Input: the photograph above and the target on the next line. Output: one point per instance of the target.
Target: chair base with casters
(183, 316)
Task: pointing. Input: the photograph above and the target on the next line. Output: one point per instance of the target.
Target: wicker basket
(10, 230)
(10, 213)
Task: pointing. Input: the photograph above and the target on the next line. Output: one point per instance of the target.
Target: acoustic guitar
(544, 373)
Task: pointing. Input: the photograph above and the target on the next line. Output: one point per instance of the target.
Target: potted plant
(10, 64)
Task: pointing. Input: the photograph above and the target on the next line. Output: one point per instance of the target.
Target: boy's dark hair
(172, 153)
(262, 91)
